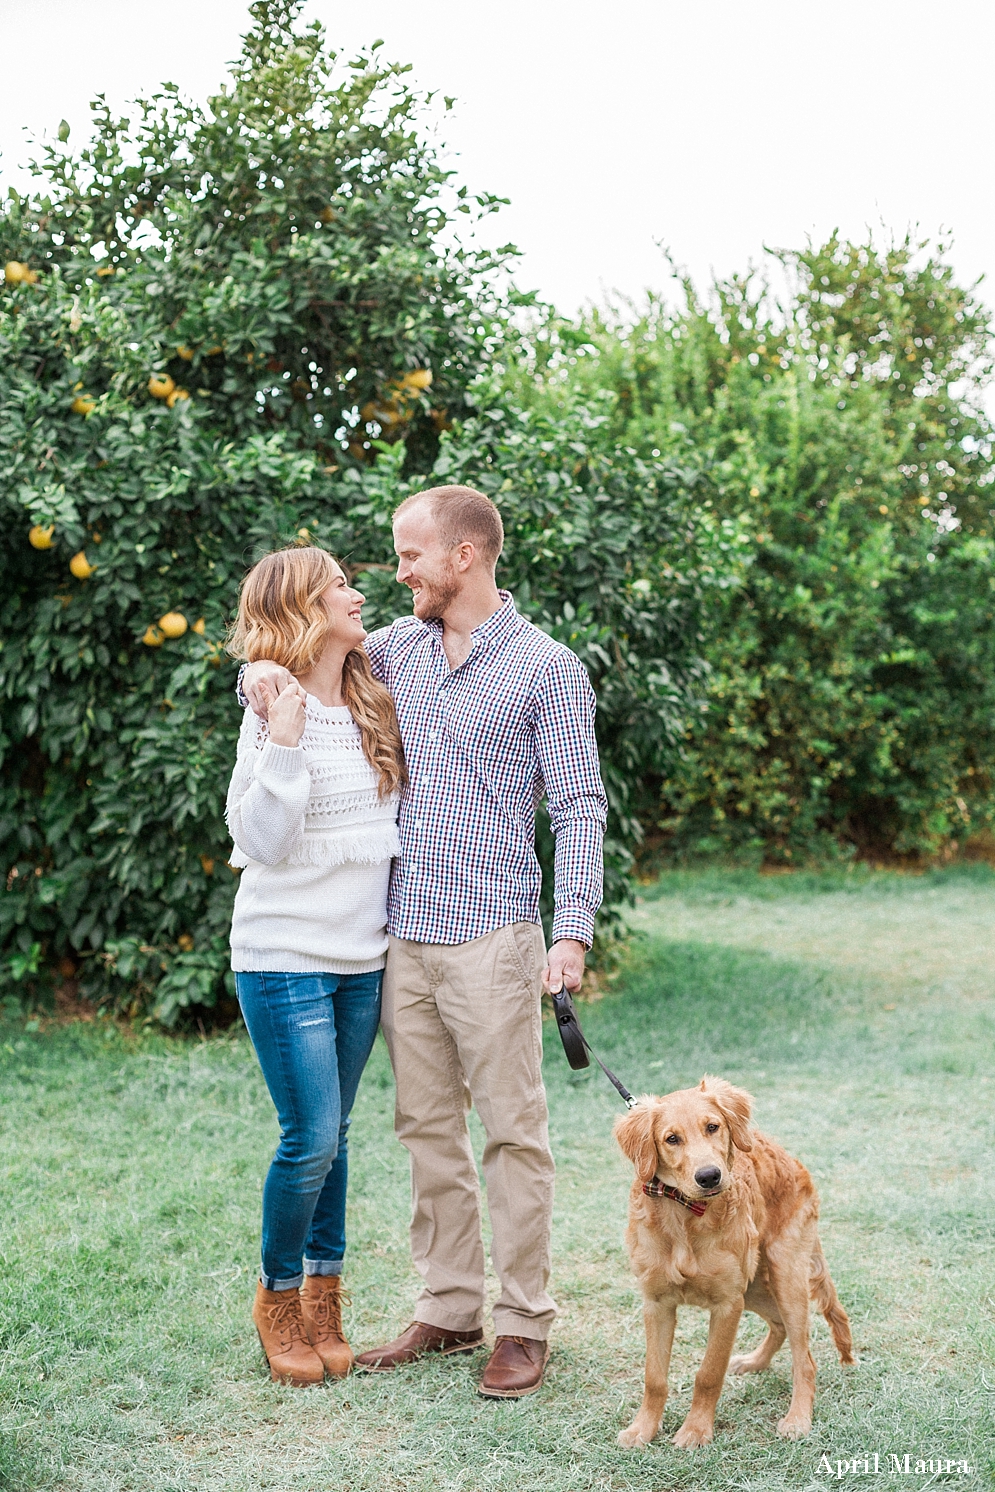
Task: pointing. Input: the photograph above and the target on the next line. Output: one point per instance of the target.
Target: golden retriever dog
(722, 1217)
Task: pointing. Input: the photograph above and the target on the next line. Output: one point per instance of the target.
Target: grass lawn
(857, 1010)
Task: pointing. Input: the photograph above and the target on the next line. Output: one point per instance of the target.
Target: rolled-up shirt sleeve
(578, 809)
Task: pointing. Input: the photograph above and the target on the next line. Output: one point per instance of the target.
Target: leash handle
(576, 1045)
(568, 1026)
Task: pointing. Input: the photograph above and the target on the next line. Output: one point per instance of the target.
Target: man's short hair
(462, 515)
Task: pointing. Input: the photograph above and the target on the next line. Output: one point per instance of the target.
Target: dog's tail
(822, 1290)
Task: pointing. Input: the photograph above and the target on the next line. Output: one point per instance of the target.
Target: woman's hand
(286, 716)
(262, 683)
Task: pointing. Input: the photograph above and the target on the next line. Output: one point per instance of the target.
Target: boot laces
(525, 1343)
(287, 1318)
(326, 1311)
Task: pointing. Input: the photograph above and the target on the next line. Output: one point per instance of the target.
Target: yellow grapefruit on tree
(41, 538)
(80, 566)
(173, 624)
(152, 637)
(160, 385)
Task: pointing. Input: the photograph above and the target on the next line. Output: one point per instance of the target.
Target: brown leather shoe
(280, 1324)
(417, 1341)
(515, 1369)
(321, 1304)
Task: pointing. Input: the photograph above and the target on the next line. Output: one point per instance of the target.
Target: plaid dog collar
(657, 1188)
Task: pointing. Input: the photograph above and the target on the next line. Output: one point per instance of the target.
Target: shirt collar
(497, 626)
(500, 622)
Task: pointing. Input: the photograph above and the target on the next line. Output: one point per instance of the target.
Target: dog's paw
(688, 1436)
(631, 1438)
(641, 1431)
(743, 1362)
(794, 1426)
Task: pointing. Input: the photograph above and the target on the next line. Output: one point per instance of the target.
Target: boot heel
(274, 1375)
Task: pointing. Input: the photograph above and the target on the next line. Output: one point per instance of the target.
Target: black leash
(576, 1045)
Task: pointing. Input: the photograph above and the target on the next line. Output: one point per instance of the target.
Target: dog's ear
(736, 1106)
(635, 1134)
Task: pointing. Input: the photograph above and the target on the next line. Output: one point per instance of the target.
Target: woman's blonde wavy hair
(282, 617)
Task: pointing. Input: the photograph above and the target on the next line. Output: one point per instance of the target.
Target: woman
(312, 809)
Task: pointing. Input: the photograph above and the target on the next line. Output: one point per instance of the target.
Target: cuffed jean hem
(323, 1266)
(269, 1283)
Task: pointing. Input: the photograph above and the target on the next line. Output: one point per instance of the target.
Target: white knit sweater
(316, 842)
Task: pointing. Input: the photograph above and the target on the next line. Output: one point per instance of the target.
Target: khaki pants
(463, 1021)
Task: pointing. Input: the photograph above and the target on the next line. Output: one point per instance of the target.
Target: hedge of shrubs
(851, 683)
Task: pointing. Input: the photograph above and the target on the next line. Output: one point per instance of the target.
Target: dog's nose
(708, 1177)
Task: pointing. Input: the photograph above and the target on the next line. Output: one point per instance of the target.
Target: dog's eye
(711, 1128)
(673, 1139)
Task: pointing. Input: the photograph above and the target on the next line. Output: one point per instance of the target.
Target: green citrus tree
(207, 318)
(223, 330)
(279, 251)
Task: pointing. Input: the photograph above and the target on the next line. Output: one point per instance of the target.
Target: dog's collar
(656, 1188)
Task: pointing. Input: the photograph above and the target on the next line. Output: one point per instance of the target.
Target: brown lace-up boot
(280, 1324)
(321, 1302)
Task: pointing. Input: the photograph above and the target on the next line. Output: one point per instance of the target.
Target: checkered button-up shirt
(483, 742)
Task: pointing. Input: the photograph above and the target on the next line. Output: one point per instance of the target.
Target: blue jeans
(312, 1034)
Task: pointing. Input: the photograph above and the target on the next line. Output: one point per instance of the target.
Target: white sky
(711, 127)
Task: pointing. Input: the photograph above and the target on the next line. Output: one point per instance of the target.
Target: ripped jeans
(312, 1034)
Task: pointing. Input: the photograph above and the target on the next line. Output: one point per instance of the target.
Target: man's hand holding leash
(564, 966)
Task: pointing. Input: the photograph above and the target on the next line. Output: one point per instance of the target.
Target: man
(492, 713)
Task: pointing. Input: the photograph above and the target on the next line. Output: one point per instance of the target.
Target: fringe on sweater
(366, 844)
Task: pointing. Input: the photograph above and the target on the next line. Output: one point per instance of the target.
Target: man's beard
(440, 595)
